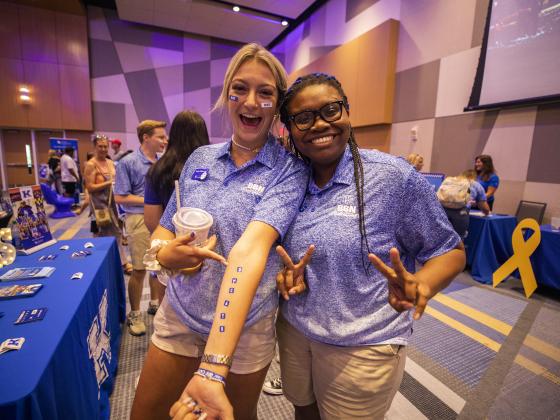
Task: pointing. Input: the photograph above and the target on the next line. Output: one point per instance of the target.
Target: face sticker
(222, 315)
(233, 98)
(231, 290)
(266, 104)
(234, 280)
(226, 303)
(222, 328)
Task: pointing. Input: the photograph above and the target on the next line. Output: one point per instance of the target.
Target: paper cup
(190, 219)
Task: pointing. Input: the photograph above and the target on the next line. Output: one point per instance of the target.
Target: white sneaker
(135, 324)
(273, 387)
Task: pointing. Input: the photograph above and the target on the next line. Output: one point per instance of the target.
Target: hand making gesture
(406, 290)
(290, 280)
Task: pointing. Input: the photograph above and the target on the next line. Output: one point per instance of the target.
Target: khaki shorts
(347, 382)
(254, 351)
(138, 239)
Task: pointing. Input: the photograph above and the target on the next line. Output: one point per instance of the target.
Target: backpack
(454, 192)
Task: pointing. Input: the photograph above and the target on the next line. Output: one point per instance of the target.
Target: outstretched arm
(246, 264)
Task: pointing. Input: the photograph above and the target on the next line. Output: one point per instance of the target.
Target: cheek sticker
(233, 98)
(266, 104)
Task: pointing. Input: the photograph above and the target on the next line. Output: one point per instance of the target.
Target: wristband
(217, 359)
(211, 376)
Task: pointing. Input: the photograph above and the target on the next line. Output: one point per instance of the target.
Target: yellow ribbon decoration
(522, 250)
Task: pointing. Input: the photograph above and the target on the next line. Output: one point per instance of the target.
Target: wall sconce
(24, 95)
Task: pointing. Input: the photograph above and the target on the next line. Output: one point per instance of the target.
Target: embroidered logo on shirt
(200, 174)
(345, 210)
(255, 189)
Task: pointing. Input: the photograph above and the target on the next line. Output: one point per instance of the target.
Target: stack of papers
(18, 290)
(27, 273)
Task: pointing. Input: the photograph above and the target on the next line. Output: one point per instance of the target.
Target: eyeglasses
(330, 112)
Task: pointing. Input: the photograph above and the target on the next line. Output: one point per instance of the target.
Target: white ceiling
(210, 18)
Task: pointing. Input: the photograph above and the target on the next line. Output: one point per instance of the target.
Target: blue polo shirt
(477, 194)
(268, 188)
(343, 305)
(130, 178)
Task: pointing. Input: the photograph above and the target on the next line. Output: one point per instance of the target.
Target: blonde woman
(215, 329)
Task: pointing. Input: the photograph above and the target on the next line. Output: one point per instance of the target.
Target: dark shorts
(459, 219)
(69, 187)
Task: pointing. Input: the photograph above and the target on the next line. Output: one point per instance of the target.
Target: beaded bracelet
(217, 359)
(211, 376)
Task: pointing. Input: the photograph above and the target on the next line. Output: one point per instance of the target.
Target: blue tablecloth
(67, 365)
(546, 258)
(488, 244)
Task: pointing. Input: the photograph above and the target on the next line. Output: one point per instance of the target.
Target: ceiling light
(284, 23)
(25, 99)
(236, 8)
(23, 89)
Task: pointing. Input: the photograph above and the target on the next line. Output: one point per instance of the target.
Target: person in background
(416, 160)
(486, 176)
(99, 176)
(69, 172)
(340, 360)
(118, 154)
(478, 196)
(86, 203)
(188, 132)
(54, 171)
(129, 193)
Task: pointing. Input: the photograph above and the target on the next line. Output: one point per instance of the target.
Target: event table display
(488, 244)
(67, 363)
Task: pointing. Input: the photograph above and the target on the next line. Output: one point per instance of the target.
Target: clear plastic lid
(194, 218)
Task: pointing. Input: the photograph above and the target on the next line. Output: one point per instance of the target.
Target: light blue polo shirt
(477, 194)
(344, 306)
(268, 188)
(130, 175)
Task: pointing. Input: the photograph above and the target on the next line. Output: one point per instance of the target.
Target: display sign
(31, 228)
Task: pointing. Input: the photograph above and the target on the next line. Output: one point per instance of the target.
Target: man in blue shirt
(129, 193)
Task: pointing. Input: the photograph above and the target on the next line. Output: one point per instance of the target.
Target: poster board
(30, 219)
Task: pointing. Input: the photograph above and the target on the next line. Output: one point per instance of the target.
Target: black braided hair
(320, 79)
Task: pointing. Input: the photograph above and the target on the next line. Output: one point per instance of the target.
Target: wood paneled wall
(366, 69)
(48, 52)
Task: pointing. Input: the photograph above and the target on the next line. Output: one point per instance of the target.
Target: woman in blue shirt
(486, 176)
(215, 328)
(343, 341)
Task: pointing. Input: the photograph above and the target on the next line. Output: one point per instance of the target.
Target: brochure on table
(30, 219)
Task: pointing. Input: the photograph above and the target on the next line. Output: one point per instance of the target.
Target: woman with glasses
(370, 216)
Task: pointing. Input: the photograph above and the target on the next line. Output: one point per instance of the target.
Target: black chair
(530, 209)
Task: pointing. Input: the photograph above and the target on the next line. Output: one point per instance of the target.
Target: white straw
(177, 194)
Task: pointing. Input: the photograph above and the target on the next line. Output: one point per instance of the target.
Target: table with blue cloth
(546, 258)
(488, 244)
(67, 365)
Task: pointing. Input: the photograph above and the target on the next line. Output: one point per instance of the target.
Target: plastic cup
(190, 219)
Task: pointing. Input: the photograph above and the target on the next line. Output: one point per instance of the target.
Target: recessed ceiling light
(284, 23)
(236, 8)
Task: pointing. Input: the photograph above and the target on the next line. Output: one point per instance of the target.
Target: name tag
(200, 174)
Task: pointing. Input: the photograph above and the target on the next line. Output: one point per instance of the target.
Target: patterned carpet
(477, 353)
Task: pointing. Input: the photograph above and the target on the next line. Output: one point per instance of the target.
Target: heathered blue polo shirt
(268, 188)
(477, 193)
(343, 305)
(130, 176)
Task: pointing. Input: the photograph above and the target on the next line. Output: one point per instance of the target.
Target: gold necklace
(254, 150)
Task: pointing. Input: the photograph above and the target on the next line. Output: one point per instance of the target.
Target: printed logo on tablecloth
(99, 344)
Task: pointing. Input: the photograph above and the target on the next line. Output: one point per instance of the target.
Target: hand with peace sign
(291, 280)
(406, 290)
